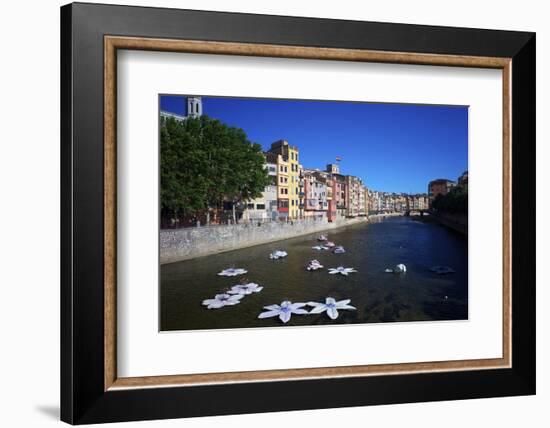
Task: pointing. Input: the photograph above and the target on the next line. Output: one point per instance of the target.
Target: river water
(417, 295)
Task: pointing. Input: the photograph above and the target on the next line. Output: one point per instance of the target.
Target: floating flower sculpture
(331, 306)
(400, 268)
(322, 238)
(275, 255)
(284, 311)
(329, 244)
(314, 265)
(221, 300)
(442, 270)
(232, 272)
(320, 247)
(245, 289)
(339, 250)
(341, 270)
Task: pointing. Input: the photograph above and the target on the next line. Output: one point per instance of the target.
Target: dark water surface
(418, 295)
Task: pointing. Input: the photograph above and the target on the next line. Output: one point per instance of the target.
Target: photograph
(283, 212)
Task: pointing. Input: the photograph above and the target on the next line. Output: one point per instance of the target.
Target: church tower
(194, 107)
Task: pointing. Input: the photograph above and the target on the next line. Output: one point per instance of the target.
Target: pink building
(315, 194)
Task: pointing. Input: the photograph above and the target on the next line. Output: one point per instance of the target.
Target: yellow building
(288, 178)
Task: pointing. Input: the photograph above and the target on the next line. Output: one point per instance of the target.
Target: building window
(250, 206)
(260, 206)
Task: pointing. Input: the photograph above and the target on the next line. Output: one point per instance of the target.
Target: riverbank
(184, 244)
(458, 223)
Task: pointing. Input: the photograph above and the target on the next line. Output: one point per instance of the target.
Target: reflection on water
(418, 295)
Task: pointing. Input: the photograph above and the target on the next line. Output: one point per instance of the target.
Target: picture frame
(91, 391)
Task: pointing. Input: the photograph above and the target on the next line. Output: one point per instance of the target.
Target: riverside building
(288, 178)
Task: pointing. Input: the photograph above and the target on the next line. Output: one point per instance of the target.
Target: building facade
(288, 178)
(441, 186)
(315, 194)
(463, 180)
(265, 207)
(355, 199)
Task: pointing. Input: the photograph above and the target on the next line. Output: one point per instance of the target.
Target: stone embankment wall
(457, 222)
(184, 244)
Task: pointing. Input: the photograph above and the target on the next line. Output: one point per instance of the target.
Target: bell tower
(194, 107)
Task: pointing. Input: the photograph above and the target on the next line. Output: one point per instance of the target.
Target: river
(417, 295)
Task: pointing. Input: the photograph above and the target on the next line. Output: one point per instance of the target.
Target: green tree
(204, 163)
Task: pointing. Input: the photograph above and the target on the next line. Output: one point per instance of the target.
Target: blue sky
(392, 147)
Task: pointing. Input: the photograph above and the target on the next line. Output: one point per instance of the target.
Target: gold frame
(112, 43)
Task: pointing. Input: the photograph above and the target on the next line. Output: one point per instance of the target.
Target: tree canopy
(204, 163)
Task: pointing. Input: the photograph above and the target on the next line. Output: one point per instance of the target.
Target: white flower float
(232, 272)
(341, 270)
(314, 265)
(322, 238)
(221, 300)
(319, 247)
(331, 306)
(330, 244)
(339, 250)
(284, 311)
(246, 289)
(442, 270)
(400, 268)
(276, 255)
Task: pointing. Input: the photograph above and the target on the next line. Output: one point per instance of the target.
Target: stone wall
(184, 244)
(457, 222)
